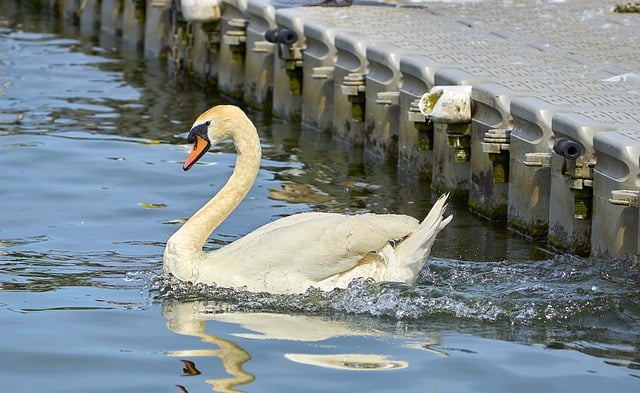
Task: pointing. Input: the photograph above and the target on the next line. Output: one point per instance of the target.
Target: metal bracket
(325, 72)
(537, 159)
(625, 197)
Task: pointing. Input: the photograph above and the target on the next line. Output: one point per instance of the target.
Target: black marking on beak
(199, 130)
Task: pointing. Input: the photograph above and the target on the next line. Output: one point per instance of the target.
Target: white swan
(323, 250)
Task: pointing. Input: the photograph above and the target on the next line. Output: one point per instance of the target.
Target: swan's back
(303, 249)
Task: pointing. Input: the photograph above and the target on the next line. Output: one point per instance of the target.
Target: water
(91, 146)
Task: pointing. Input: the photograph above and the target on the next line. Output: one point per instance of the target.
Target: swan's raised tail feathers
(412, 253)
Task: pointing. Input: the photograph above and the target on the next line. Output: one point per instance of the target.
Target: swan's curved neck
(197, 229)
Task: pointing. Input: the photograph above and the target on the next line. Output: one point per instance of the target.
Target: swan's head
(212, 127)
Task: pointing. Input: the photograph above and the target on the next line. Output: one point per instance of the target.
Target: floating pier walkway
(525, 111)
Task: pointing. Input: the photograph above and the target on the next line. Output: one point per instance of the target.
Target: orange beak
(200, 146)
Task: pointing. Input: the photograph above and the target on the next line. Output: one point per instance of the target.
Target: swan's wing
(314, 246)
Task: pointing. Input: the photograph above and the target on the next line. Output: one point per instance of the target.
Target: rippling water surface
(91, 145)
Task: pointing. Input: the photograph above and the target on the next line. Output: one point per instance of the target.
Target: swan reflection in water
(190, 319)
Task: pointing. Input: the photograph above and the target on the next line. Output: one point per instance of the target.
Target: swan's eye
(207, 123)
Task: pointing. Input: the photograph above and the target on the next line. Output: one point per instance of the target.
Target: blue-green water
(91, 186)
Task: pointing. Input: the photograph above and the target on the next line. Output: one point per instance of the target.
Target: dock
(526, 111)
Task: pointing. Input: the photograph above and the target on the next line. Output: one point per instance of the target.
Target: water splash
(563, 292)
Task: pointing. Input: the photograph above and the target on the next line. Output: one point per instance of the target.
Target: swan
(294, 253)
